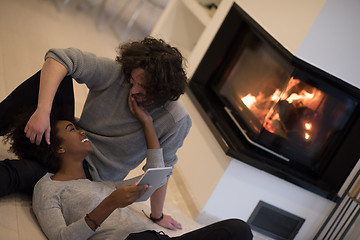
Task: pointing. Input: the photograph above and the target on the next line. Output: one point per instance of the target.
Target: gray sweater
(117, 136)
(60, 207)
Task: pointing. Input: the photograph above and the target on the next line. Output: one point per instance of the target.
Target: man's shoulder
(177, 110)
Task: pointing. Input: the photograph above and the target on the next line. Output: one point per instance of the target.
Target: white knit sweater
(60, 207)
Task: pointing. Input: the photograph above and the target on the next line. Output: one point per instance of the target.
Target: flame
(303, 95)
(276, 95)
(264, 107)
(268, 123)
(249, 100)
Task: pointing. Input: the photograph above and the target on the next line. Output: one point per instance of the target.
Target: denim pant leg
(230, 229)
(148, 235)
(20, 176)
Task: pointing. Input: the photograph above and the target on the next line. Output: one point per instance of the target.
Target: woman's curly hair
(163, 64)
(21, 146)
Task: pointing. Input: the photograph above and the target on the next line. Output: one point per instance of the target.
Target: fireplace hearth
(275, 111)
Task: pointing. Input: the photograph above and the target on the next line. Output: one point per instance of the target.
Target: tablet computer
(153, 177)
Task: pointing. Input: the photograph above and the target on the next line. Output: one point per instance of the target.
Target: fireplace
(275, 111)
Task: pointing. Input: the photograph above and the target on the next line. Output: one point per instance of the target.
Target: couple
(70, 206)
(150, 71)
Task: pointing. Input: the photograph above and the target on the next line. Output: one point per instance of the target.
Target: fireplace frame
(234, 143)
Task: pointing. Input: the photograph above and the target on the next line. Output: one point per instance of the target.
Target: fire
(308, 126)
(268, 123)
(276, 95)
(302, 96)
(249, 100)
(281, 112)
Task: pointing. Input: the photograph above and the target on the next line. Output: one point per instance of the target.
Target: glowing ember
(308, 126)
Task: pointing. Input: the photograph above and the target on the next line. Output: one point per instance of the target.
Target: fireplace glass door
(281, 108)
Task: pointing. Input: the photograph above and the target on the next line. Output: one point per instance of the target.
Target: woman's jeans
(20, 175)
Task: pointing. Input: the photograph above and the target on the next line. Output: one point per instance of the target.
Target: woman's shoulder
(44, 182)
(45, 178)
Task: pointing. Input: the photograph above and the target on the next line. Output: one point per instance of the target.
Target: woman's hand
(38, 124)
(126, 195)
(146, 121)
(138, 111)
(119, 198)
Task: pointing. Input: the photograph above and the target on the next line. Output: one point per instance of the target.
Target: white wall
(333, 42)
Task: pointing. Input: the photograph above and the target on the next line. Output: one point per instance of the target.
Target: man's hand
(169, 223)
(38, 124)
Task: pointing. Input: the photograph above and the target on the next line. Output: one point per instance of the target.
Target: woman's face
(74, 141)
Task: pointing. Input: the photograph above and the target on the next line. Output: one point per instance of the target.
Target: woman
(70, 206)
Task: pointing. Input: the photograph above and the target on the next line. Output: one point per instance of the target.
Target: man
(152, 72)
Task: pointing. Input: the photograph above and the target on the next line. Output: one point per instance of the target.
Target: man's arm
(157, 204)
(52, 73)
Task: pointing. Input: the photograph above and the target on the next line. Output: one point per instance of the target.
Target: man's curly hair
(163, 64)
(21, 146)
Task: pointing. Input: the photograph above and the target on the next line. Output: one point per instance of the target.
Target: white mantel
(224, 187)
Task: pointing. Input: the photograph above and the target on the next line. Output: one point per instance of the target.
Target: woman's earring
(61, 150)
